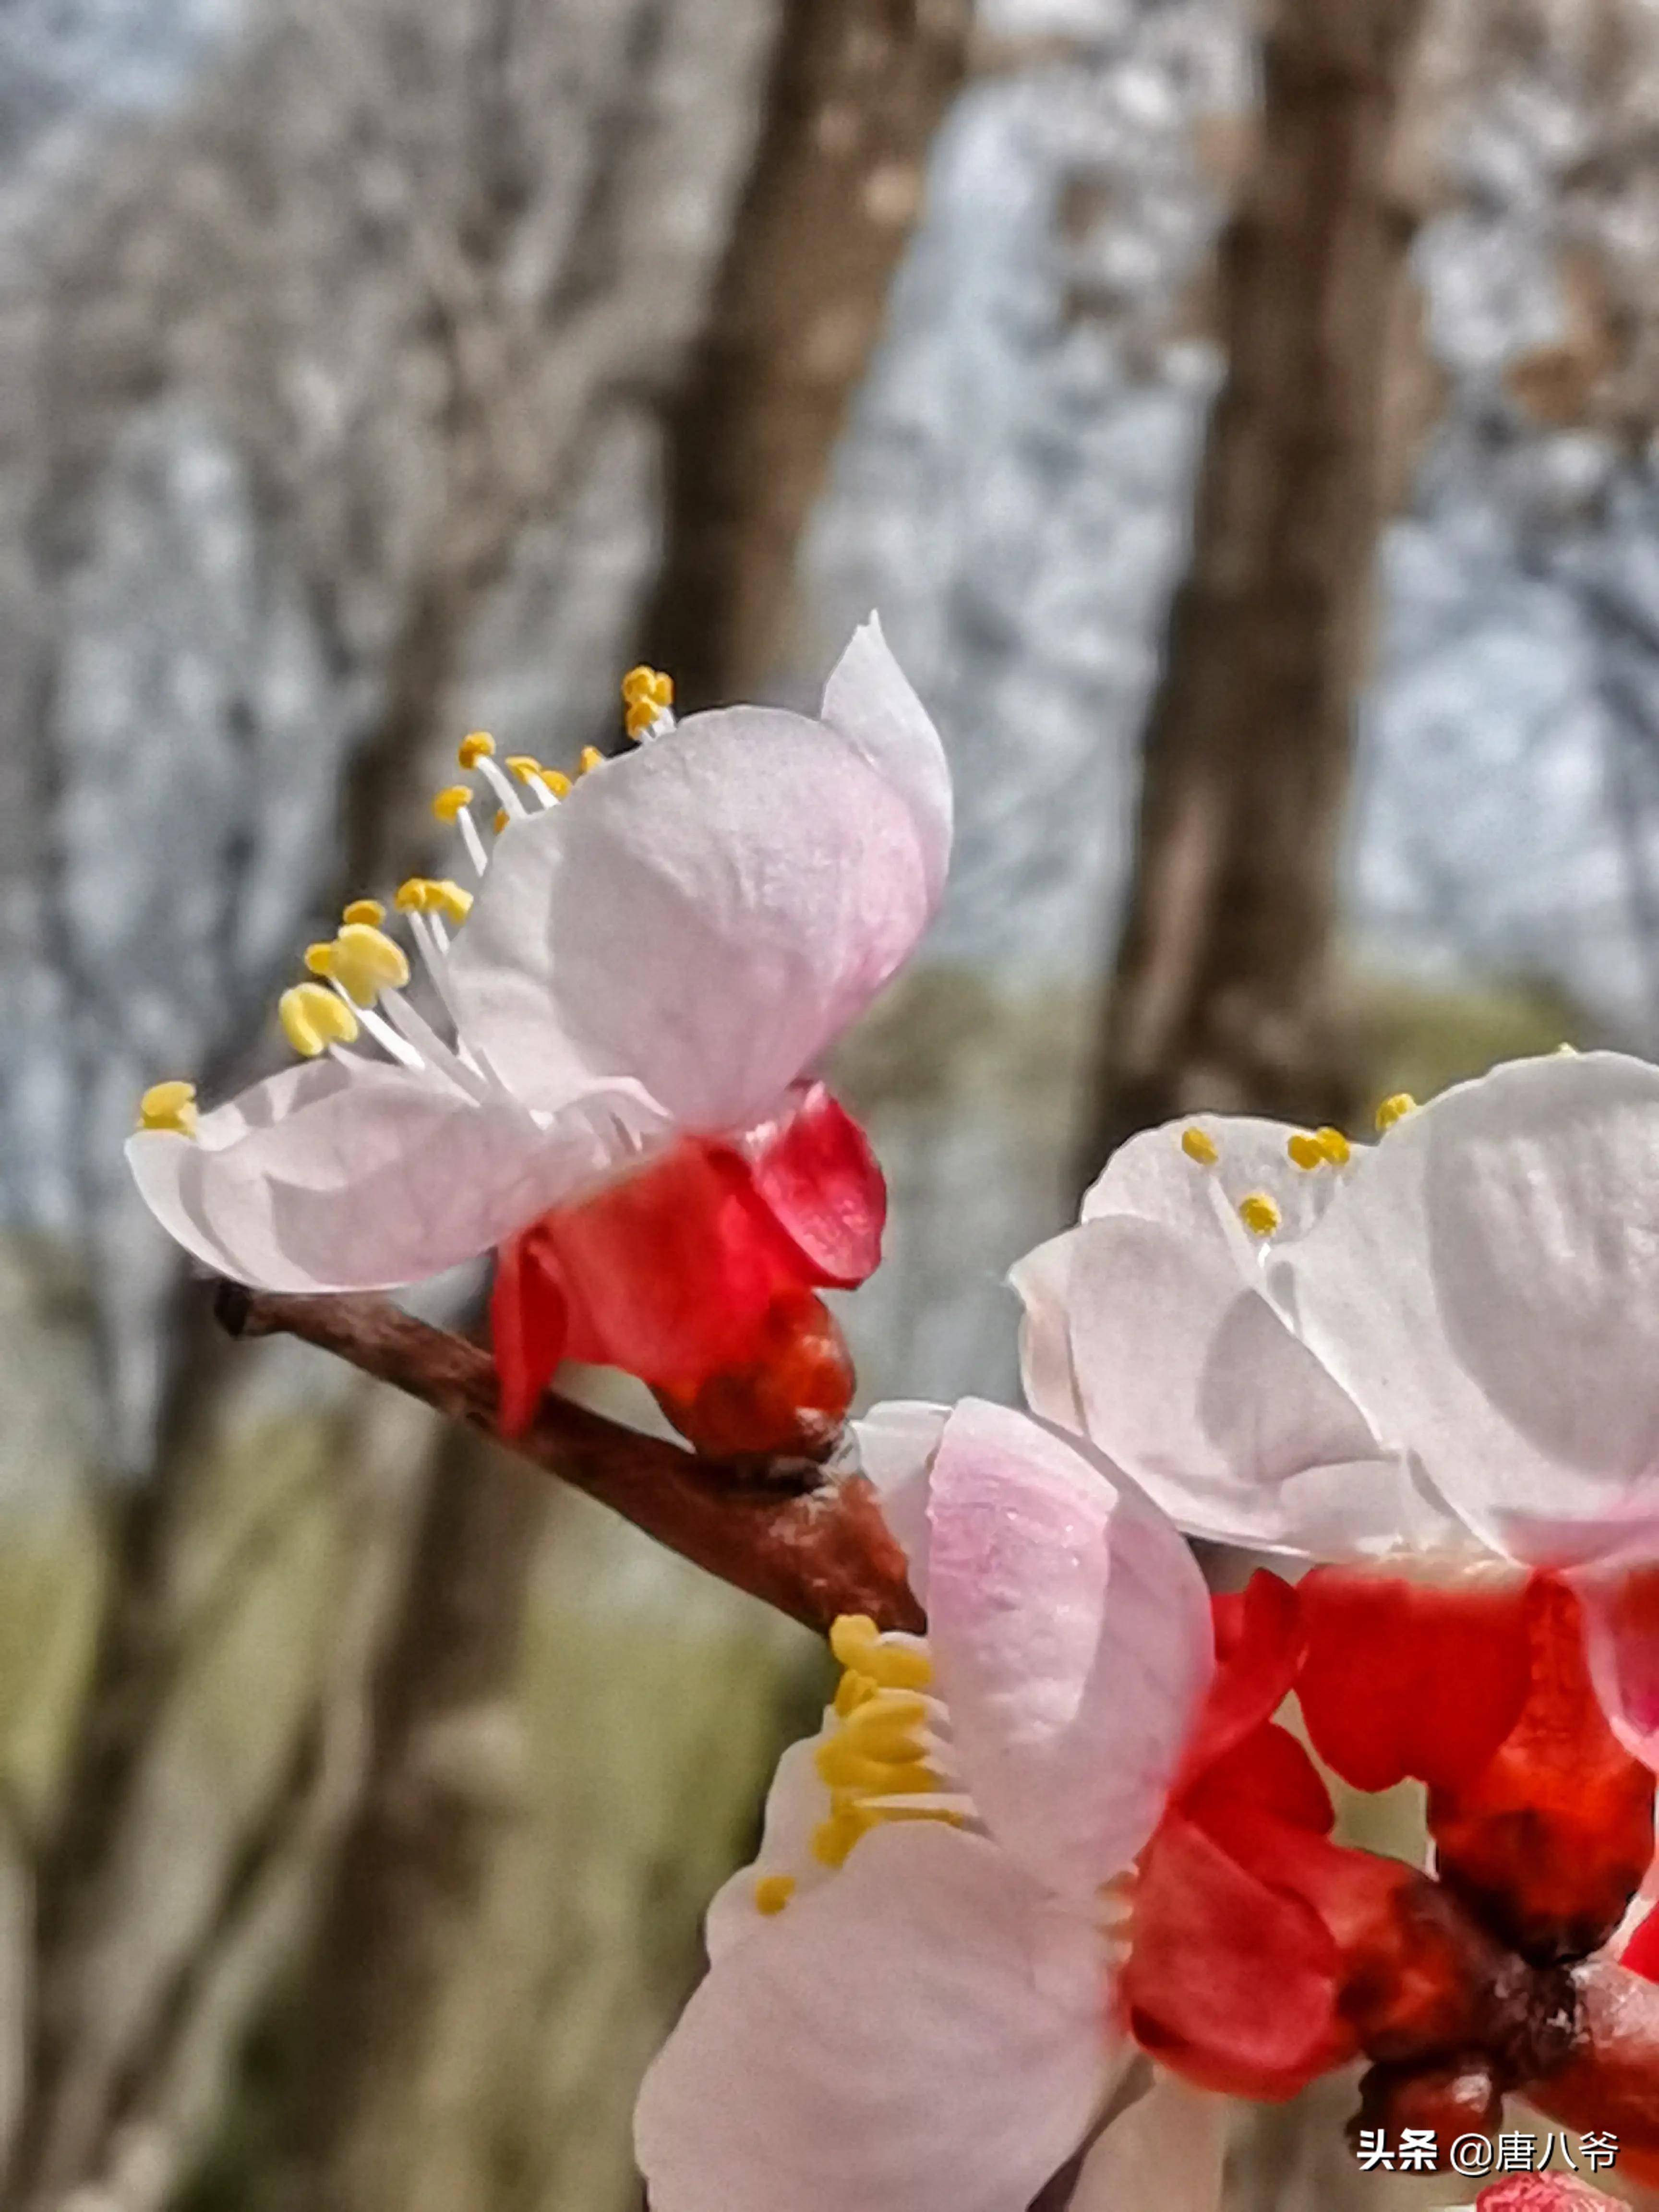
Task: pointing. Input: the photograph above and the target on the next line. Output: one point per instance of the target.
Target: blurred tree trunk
(1221, 996)
(858, 87)
(855, 90)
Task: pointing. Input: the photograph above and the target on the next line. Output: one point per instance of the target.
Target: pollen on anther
(1199, 1145)
(1395, 1110)
(320, 958)
(1306, 1151)
(449, 802)
(169, 1106)
(773, 1891)
(1258, 1213)
(365, 909)
(478, 745)
(313, 1017)
(1334, 1145)
(592, 758)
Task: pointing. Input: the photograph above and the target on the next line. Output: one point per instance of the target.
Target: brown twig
(814, 1545)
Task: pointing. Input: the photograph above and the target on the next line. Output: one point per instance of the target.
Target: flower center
(361, 973)
(889, 1751)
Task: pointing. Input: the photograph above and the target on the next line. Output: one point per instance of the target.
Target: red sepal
(822, 1184)
(1550, 1839)
(527, 1329)
(1230, 1981)
(1406, 1678)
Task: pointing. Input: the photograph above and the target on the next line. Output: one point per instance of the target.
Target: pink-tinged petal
(1041, 1282)
(869, 701)
(1152, 1176)
(907, 2037)
(1621, 1643)
(1070, 1628)
(328, 1178)
(815, 1174)
(704, 916)
(1192, 1381)
(1486, 1287)
(1163, 2154)
(896, 1442)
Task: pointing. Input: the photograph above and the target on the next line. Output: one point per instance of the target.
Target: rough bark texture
(857, 89)
(1220, 998)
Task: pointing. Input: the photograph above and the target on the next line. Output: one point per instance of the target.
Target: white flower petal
(901, 2039)
(1041, 1280)
(704, 916)
(896, 1442)
(360, 1177)
(1163, 2154)
(868, 699)
(797, 1801)
(1191, 1380)
(1152, 1176)
(1486, 1287)
(1070, 1630)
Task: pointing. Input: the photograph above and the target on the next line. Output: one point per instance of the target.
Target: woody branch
(1583, 2044)
(811, 1542)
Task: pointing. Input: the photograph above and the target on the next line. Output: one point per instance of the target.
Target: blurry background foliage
(371, 370)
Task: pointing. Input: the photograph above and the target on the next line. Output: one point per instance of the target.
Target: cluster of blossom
(1417, 2150)
(1053, 1881)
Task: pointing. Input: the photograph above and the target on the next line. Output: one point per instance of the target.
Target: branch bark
(811, 1544)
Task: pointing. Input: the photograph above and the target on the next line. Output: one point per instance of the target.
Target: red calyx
(1549, 1841)
(1405, 1677)
(698, 1275)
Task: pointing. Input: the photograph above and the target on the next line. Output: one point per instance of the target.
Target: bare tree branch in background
(1219, 997)
(858, 87)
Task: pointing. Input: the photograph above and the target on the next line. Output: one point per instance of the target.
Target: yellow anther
(643, 686)
(364, 962)
(527, 767)
(852, 1636)
(1199, 1145)
(773, 1891)
(449, 900)
(449, 802)
(313, 1017)
(853, 1689)
(369, 910)
(1334, 1145)
(638, 718)
(477, 746)
(170, 1106)
(1306, 1151)
(320, 958)
(423, 894)
(841, 1766)
(592, 758)
(557, 781)
(502, 818)
(1395, 1110)
(885, 1726)
(832, 1839)
(1258, 1213)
